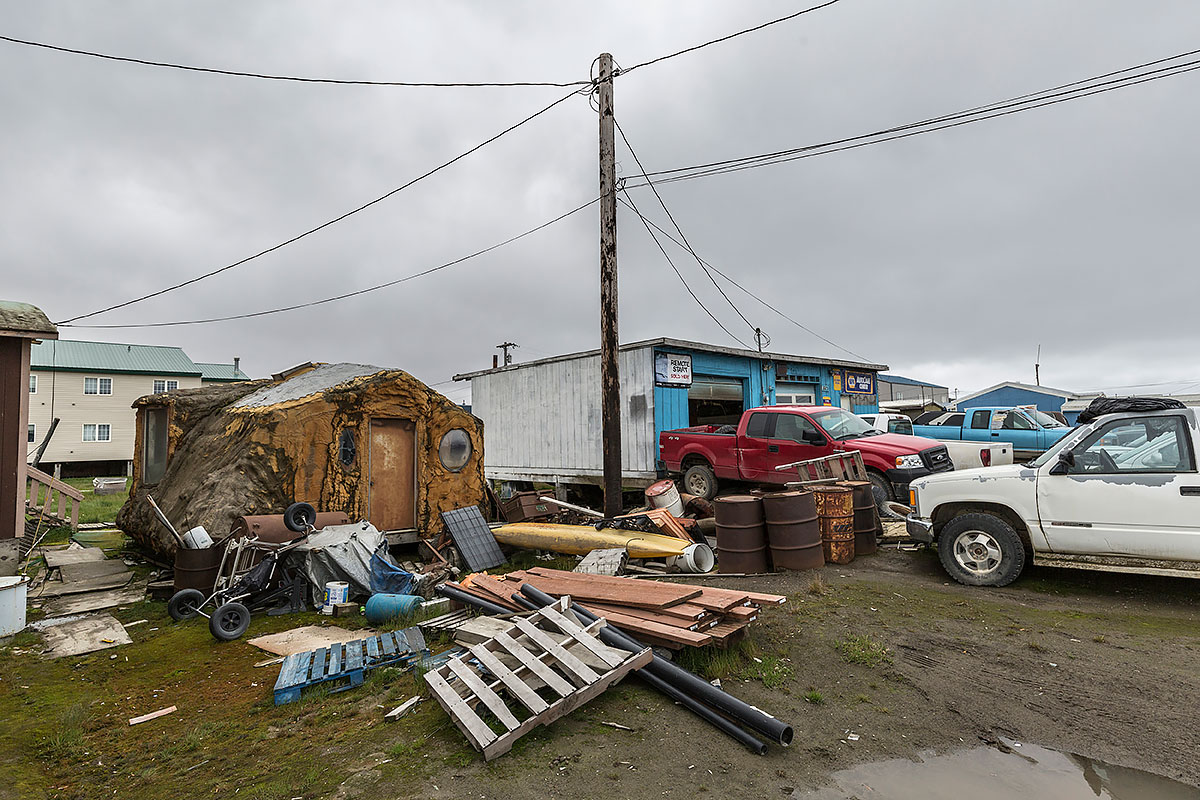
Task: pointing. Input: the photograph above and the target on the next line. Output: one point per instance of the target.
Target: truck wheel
(981, 550)
(880, 488)
(700, 481)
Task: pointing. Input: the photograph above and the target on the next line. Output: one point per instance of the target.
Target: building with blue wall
(1011, 393)
(542, 418)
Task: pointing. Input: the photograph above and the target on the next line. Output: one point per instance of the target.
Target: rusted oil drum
(866, 517)
(793, 532)
(835, 509)
(741, 535)
(270, 527)
(197, 569)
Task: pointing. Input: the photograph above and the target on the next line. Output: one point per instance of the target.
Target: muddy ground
(1106, 666)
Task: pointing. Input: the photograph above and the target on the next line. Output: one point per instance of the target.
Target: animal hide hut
(375, 443)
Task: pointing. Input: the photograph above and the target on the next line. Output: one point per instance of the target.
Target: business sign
(859, 383)
(837, 379)
(671, 369)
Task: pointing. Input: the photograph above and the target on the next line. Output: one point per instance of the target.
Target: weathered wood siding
(544, 419)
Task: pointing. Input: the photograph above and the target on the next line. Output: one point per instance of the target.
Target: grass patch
(816, 586)
(744, 661)
(814, 697)
(859, 649)
(94, 507)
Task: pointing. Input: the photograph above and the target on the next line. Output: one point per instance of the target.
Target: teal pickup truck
(1031, 431)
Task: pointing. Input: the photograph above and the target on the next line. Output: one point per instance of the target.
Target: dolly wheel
(185, 604)
(229, 622)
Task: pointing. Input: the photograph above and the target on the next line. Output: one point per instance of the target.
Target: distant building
(90, 388)
(221, 373)
(909, 396)
(1011, 393)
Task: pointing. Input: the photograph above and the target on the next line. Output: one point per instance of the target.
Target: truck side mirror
(1066, 460)
(812, 437)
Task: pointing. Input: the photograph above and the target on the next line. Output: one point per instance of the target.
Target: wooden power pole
(610, 377)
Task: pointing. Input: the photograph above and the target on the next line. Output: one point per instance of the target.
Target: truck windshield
(841, 424)
(1043, 419)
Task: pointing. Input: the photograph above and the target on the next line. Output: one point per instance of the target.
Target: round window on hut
(346, 449)
(455, 449)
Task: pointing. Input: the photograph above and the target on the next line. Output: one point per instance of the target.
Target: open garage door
(715, 401)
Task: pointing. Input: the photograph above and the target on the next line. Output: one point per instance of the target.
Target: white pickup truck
(1119, 493)
(964, 455)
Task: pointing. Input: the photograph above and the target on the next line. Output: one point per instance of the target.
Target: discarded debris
(162, 712)
(402, 709)
(617, 725)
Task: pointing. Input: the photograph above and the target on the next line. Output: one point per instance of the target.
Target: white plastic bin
(12, 604)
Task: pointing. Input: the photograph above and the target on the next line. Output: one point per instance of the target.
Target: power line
(727, 38)
(752, 295)
(687, 244)
(323, 225)
(291, 78)
(629, 203)
(347, 295)
(978, 114)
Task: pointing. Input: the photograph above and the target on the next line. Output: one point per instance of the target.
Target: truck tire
(881, 488)
(981, 550)
(700, 480)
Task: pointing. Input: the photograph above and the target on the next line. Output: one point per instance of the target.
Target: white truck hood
(981, 475)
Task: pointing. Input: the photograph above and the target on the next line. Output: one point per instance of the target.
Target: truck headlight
(909, 462)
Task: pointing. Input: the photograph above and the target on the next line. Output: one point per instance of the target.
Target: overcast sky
(949, 256)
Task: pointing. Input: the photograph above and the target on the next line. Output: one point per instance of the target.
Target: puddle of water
(106, 540)
(985, 773)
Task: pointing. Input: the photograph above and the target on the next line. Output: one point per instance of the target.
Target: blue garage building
(1011, 393)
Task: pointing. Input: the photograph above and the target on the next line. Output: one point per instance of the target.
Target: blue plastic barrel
(383, 608)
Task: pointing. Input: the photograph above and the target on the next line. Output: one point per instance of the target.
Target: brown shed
(375, 443)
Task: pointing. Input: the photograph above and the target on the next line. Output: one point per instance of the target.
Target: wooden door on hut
(392, 487)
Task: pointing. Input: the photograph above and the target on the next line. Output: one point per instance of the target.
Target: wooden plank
(493, 701)
(387, 642)
(649, 614)
(354, 655)
(466, 719)
(56, 558)
(760, 599)
(684, 612)
(582, 587)
(669, 632)
(162, 712)
(570, 663)
(511, 681)
(373, 648)
(318, 663)
(531, 662)
(72, 573)
(576, 632)
(336, 660)
(57, 589)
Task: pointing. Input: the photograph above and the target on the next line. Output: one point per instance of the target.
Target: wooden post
(610, 378)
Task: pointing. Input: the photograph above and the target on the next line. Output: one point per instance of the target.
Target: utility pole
(759, 338)
(1037, 377)
(505, 347)
(610, 376)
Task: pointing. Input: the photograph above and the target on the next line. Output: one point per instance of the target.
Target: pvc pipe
(572, 506)
(680, 678)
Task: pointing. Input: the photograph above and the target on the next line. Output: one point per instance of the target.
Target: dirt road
(889, 649)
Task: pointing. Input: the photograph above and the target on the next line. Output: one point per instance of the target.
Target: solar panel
(473, 538)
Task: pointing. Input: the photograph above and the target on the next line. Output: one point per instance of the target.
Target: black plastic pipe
(456, 592)
(722, 724)
(691, 684)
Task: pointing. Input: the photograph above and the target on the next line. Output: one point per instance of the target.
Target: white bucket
(12, 604)
(197, 538)
(335, 592)
(664, 494)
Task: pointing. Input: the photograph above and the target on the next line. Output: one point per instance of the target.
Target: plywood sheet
(84, 635)
(95, 601)
(310, 637)
(57, 558)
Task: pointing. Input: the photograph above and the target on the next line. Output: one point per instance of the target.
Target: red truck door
(774, 438)
(753, 446)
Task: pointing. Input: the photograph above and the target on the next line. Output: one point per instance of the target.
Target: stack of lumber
(658, 613)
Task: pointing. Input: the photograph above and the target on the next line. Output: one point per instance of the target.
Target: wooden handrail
(40, 496)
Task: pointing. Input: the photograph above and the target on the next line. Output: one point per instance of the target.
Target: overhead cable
(749, 293)
(323, 225)
(687, 244)
(291, 78)
(346, 295)
(978, 114)
(694, 48)
(630, 204)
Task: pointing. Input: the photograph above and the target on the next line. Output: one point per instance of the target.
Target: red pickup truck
(773, 435)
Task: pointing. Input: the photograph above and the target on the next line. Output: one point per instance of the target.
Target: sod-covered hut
(375, 443)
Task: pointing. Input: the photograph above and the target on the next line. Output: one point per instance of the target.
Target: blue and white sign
(859, 383)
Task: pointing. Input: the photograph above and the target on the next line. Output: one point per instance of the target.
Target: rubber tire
(229, 622)
(184, 604)
(881, 489)
(1012, 550)
(705, 477)
(299, 516)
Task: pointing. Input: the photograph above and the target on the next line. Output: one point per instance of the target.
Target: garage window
(715, 401)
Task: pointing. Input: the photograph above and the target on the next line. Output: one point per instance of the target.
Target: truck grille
(937, 459)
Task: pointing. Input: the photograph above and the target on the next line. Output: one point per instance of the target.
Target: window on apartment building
(33, 384)
(154, 444)
(32, 433)
(97, 432)
(97, 385)
(165, 386)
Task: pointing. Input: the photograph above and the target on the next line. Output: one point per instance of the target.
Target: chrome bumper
(919, 529)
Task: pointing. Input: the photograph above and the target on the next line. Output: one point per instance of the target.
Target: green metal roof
(71, 356)
(222, 373)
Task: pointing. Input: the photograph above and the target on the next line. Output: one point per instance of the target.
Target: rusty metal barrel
(197, 569)
(793, 532)
(270, 527)
(741, 535)
(835, 510)
(866, 517)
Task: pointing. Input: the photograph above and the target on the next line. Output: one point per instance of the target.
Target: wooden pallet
(479, 707)
(347, 663)
(846, 466)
